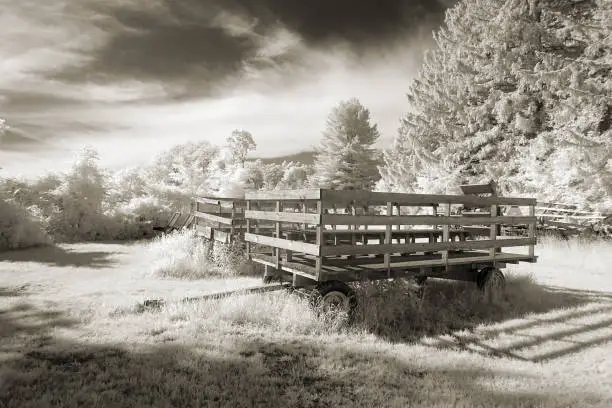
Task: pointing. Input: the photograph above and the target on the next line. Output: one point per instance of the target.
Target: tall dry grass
(391, 309)
(183, 255)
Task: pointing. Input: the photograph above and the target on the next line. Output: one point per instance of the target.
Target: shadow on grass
(58, 256)
(23, 325)
(13, 291)
(456, 316)
(394, 312)
(49, 372)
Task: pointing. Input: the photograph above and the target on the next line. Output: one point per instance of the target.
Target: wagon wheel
(492, 282)
(335, 298)
(420, 281)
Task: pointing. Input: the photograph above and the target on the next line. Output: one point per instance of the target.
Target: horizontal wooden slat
(223, 202)
(217, 209)
(214, 218)
(423, 247)
(499, 257)
(290, 195)
(306, 218)
(330, 197)
(577, 217)
(477, 189)
(333, 219)
(478, 231)
(295, 246)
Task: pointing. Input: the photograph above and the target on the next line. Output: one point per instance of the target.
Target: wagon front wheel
(492, 282)
(334, 298)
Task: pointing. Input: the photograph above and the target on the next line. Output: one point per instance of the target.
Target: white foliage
(511, 78)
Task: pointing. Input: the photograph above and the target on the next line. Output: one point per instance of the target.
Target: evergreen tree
(346, 158)
(518, 91)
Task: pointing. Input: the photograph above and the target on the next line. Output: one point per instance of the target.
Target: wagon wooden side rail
(219, 219)
(320, 236)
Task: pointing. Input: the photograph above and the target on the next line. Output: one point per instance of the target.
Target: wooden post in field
(320, 241)
(388, 239)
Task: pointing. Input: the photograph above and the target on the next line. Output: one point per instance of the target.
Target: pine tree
(517, 91)
(346, 158)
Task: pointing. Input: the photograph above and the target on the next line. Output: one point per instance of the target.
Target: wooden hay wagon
(315, 241)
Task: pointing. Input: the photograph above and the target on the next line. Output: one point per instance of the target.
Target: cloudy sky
(134, 77)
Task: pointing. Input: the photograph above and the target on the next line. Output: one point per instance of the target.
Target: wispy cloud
(147, 74)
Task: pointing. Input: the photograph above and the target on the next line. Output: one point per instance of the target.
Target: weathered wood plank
(338, 219)
(302, 218)
(216, 218)
(288, 195)
(222, 202)
(215, 209)
(294, 246)
(423, 247)
(488, 188)
(500, 257)
(291, 267)
(330, 197)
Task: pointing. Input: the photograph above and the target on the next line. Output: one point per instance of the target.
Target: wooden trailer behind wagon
(315, 241)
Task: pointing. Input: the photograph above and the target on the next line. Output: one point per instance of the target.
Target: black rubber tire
(326, 295)
(491, 281)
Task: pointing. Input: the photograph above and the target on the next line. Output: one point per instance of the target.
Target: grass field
(71, 335)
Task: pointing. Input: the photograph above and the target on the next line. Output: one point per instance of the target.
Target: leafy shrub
(18, 229)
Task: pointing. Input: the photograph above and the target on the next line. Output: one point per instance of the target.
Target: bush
(18, 229)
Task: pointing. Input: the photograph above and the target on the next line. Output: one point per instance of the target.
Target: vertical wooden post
(532, 230)
(277, 251)
(493, 231)
(220, 214)
(232, 230)
(446, 233)
(434, 237)
(320, 241)
(248, 230)
(399, 227)
(304, 211)
(388, 240)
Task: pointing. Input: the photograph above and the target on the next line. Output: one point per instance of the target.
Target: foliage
(517, 91)
(18, 229)
(345, 158)
(240, 143)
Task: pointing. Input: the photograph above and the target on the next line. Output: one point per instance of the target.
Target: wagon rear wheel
(334, 298)
(492, 282)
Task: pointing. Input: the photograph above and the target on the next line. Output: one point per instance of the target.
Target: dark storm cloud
(183, 44)
(360, 23)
